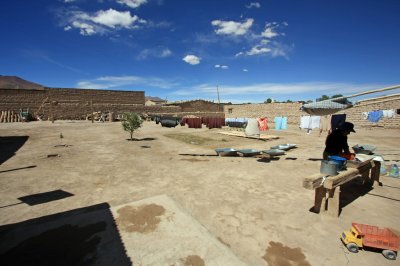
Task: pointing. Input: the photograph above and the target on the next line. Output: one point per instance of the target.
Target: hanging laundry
(389, 113)
(315, 121)
(278, 123)
(375, 116)
(304, 121)
(284, 123)
(236, 122)
(252, 129)
(325, 124)
(262, 123)
(364, 115)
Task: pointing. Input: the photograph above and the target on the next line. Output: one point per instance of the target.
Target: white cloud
(232, 27)
(245, 70)
(132, 3)
(85, 29)
(69, 1)
(254, 5)
(112, 82)
(257, 50)
(221, 66)
(159, 52)
(192, 59)
(102, 22)
(269, 33)
(112, 18)
(266, 43)
(67, 28)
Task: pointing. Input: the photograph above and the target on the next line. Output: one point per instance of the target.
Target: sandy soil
(255, 207)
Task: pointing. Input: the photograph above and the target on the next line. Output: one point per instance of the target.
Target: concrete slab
(158, 231)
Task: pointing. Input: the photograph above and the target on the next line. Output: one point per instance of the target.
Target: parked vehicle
(362, 235)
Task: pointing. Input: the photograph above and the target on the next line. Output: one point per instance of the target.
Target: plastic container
(329, 167)
(394, 171)
(339, 160)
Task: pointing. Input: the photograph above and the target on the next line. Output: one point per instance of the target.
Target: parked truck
(363, 235)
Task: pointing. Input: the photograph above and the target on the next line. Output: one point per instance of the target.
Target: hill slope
(13, 82)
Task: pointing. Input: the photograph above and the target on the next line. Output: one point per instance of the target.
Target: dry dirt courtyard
(85, 194)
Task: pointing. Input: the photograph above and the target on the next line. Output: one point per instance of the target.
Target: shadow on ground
(143, 139)
(10, 145)
(86, 236)
(19, 168)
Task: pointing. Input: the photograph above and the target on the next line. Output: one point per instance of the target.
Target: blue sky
(184, 49)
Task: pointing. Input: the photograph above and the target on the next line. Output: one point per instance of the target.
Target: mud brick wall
(199, 106)
(71, 103)
(77, 103)
(269, 110)
(14, 100)
(355, 116)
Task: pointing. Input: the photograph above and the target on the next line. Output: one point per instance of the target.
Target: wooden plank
(356, 164)
(314, 181)
(241, 134)
(376, 172)
(333, 202)
(320, 193)
(341, 178)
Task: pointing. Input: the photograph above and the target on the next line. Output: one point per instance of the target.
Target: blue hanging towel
(278, 123)
(284, 123)
(375, 116)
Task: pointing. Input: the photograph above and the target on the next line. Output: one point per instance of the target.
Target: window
(230, 110)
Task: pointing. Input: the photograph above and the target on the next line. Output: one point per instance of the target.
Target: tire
(389, 254)
(352, 247)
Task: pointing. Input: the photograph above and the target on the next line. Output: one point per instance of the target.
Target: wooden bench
(327, 188)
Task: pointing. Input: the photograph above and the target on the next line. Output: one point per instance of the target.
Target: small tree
(131, 122)
(269, 100)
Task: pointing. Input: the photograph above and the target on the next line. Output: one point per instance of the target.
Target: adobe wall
(75, 104)
(71, 103)
(355, 116)
(293, 113)
(199, 105)
(270, 110)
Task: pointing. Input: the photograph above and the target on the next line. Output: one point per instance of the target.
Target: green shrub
(131, 122)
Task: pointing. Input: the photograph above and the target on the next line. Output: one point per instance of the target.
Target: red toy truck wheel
(389, 254)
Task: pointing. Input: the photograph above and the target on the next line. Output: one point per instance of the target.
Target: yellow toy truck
(362, 235)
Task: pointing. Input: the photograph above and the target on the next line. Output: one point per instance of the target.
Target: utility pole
(219, 103)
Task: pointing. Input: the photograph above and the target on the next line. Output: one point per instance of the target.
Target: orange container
(348, 156)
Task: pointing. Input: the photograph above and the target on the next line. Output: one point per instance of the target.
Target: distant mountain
(13, 82)
(154, 99)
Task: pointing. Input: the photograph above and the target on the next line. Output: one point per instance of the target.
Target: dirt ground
(256, 209)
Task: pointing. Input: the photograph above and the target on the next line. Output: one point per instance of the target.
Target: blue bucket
(338, 160)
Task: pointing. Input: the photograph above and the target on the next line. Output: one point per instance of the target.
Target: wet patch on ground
(193, 260)
(143, 219)
(279, 255)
